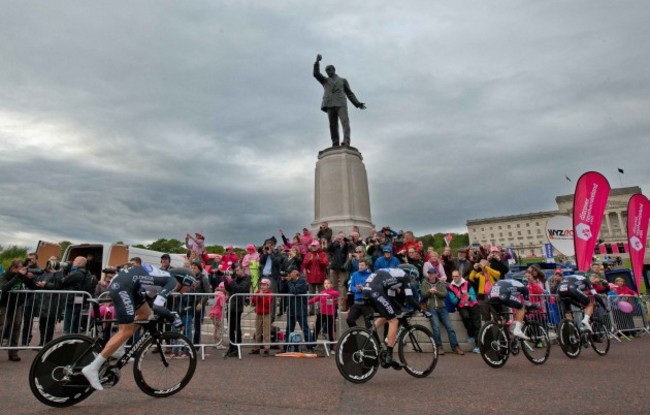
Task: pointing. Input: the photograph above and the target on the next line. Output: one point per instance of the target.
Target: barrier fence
(284, 322)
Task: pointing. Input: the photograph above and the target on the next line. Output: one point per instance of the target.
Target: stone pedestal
(341, 195)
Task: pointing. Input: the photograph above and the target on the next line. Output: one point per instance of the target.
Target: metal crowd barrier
(32, 318)
(288, 313)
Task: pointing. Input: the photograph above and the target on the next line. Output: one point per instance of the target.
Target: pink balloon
(625, 307)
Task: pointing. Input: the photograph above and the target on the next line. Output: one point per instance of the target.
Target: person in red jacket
(262, 301)
(328, 302)
(315, 265)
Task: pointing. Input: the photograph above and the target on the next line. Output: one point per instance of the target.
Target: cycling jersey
(508, 293)
(128, 288)
(389, 290)
(573, 288)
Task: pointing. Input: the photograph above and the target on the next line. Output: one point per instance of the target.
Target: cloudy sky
(141, 120)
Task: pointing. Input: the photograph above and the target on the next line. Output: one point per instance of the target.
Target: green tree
(64, 245)
(171, 246)
(11, 253)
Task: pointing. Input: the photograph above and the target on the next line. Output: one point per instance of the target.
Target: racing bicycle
(496, 343)
(55, 376)
(360, 352)
(573, 337)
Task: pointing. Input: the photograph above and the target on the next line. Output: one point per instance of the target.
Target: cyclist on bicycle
(513, 294)
(389, 291)
(578, 290)
(128, 292)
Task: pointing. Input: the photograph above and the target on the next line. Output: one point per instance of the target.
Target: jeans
(198, 320)
(301, 319)
(187, 330)
(440, 315)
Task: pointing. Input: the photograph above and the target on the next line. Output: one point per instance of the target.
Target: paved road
(617, 384)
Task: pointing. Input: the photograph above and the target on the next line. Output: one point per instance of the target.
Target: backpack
(294, 340)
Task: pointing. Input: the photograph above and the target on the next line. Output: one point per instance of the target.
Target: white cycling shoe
(92, 375)
(520, 334)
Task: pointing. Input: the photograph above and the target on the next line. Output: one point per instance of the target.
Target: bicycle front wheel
(418, 351)
(570, 341)
(493, 345)
(599, 338)
(158, 371)
(538, 346)
(357, 355)
(54, 377)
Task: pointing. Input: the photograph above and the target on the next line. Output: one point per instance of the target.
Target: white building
(526, 233)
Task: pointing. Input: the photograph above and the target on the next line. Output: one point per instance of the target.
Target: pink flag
(638, 214)
(589, 202)
(448, 239)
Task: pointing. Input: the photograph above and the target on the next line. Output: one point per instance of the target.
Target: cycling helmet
(184, 276)
(410, 270)
(187, 280)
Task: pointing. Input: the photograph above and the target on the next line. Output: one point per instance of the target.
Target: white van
(104, 255)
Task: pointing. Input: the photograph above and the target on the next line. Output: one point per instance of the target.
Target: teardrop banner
(559, 232)
(589, 203)
(638, 215)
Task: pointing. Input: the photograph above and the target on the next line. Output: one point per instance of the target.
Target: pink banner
(638, 214)
(589, 202)
(614, 248)
(602, 249)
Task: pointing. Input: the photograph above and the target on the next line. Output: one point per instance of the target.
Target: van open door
(45, 250)
(118, 255)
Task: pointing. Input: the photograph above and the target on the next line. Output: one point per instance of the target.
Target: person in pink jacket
(328, 302)
(216, 314)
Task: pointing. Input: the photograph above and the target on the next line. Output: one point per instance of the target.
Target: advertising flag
(589, 203)
(448, 239)
(559, 232)
(638, 214)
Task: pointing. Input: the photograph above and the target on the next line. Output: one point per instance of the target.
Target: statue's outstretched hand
(319, 57)
(362, 106)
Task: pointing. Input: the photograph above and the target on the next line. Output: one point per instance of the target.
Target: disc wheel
(159, 374)
(599, 338)
(52, 377)
(538, 347)
(357, 355)
(569, 336)
(493, 345)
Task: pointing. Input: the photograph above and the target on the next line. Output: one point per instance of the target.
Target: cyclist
(128, 292)
(573, 289)
(510, 293)
(389, 291)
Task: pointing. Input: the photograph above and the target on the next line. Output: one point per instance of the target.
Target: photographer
(338, 251)
(11, 305)
(484, 277)
(324, 231)
(296, 285)
(271, 261)
(31, 301)
(497, 262)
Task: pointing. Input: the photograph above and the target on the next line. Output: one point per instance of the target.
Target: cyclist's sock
(91, 372)
(585, 322)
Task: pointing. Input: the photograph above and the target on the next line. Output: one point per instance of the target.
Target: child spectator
(262, 304)
(325, 319)
(216, 315)
(251, 264)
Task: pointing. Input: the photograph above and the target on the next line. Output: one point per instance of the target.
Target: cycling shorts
(384, 305)
(571, 294)
(126, 298)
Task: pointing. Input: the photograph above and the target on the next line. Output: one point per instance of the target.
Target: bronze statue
(335, 103)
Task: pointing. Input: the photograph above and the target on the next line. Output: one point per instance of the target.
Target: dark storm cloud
(137, 121)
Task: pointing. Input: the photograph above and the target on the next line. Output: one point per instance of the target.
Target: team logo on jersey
(115, 286)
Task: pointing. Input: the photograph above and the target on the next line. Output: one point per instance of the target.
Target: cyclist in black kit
(578, 290)
(388, 290)
(127, 291)
(513, 294)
